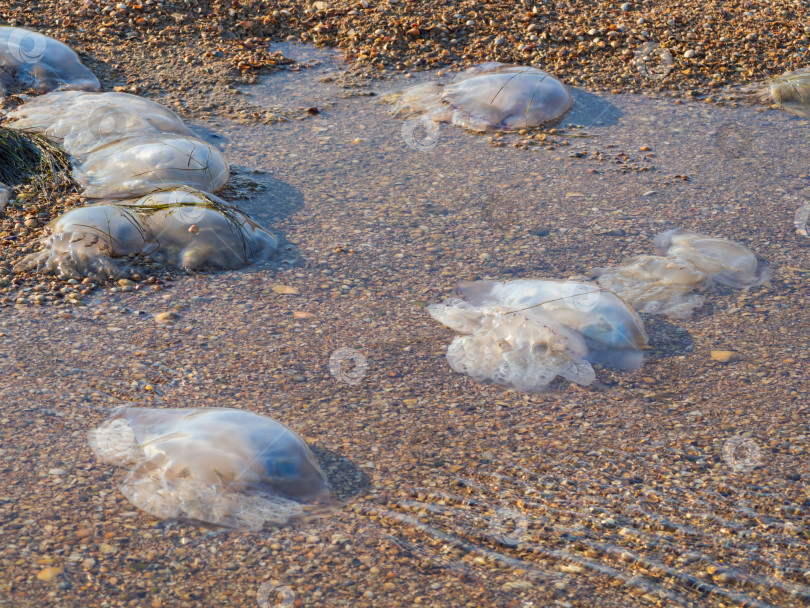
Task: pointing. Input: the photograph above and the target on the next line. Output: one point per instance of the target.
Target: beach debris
(29, 158)
(85, 241)
(524, 333)
(142, 165)
(122, 145)
(221, 466)
(83, 122)
(687, 262)
(491, 96)
(29, 60)
(791, 92)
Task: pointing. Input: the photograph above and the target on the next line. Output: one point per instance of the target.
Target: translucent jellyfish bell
(724, 261)
(29, 59)
(134, 167)
(83, 122)
(524, 333)
(182, 227)
(221, 466)
(490, 96)
(665, 284)
(195, 230)
(791, 92)
(84, 241)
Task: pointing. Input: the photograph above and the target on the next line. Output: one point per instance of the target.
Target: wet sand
(682, 484)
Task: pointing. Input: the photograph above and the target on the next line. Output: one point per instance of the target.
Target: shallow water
(626, 494)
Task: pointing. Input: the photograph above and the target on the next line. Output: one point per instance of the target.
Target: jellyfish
(83, 122)
(141, 165)
(84, 242)
(30, 60)
(182, 227)
(791, 92)
(524, 333)
(722, 260)
(655, 284)
(688, 262)
(221, 466)
(491, 96)
(195, 230)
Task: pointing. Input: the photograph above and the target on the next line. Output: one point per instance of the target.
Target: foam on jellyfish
(791, 92)
(665, 284)
(30, 60)
(138, 166)
(182, 227)
(490, 96)
(83, 122)
(221, 466)
(524, 333)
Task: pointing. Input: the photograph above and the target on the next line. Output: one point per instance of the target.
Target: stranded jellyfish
(664, 284)
(524, 333)
(221, 466)
(133, 167)
(83, 122)
(791, 92)
(124, 146)
(182, 227)
(31, 60)
(490, 96)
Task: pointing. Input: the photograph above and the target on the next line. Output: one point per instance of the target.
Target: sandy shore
(685, 484)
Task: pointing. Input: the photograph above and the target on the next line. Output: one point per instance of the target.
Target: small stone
(193, 229)
(166, 317)
(286, 290)
(725, 356)
(625, 7)
(689, 54)
(49, 574)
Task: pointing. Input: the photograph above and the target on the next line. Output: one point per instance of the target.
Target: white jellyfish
(183, 227)
(489, 96)
(29, 59)
(194, 230)
(84, 241)
(524, 333)
(138, 166)
(665, 284)
(83, 122)
(791, 92)
(221, 466)
(724, 261)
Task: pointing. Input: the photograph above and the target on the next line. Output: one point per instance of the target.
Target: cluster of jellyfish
(522, 334)
(155, 182)
(153, 179)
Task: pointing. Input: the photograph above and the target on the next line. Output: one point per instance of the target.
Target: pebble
(725, 356)
(49, 574)
(166, 317)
